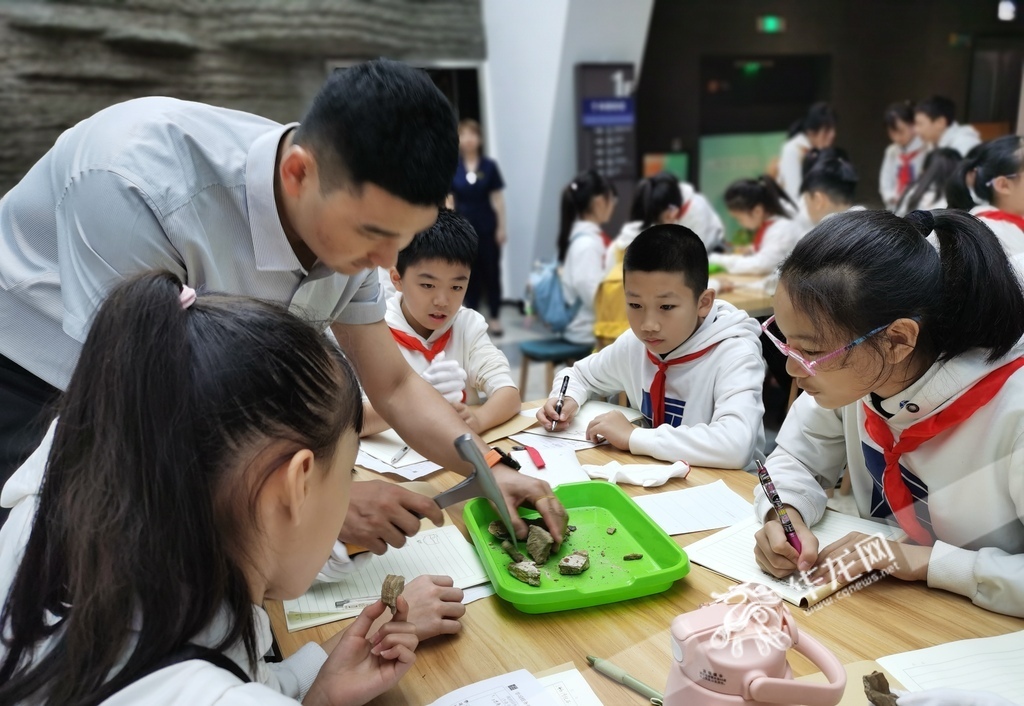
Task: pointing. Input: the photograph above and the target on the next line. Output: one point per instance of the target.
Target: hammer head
(480, 484)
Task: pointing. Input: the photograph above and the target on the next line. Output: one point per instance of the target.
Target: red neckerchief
(905, 174)
(997, 215)
(412, 343)
(759, 235)
(897, 494)
(658, 385)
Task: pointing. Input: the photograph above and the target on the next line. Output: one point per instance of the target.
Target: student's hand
(520, 489)
(468, 416)
(857, 553)
(435, 606)
(950, 697)
(612, 426)
(776, 556)
(381, 514)
(546, 414)
(447, 377)
(360, 668)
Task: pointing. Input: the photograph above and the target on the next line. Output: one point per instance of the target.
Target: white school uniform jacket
(791, 161)
(486, 367)
(713, 405)
(960, 137)
(1011, 236)
(192, 683)
(777, 243)
(700, 217)
(582, 273)
(888, 176)
(973, 473)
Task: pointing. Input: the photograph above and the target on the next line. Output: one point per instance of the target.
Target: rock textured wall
(62, 61)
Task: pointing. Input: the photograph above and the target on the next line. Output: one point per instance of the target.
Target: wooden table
(887, 617)
(755, 301)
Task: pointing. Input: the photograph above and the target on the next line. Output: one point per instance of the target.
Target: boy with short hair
(693, 362)
(935, 123)
(443, 342)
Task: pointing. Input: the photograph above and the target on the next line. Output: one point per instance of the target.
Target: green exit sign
(771, 24)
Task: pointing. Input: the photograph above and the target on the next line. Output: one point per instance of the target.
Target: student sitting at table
(829, 186)
(910, 358)
(993, 172)
(760, 206)
(201, 465)
(693, 363)
(445, 343)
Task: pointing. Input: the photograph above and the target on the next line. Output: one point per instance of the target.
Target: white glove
(950, 697)
(648, 475)
(447, 377)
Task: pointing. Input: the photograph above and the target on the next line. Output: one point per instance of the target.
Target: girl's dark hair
(819, 116)
(653, 196)
(939, 166)
(899, 112)
(745, 194)
(172, 422)
(859, 270)
(1003, 156)
(833, 175)
(576, 199)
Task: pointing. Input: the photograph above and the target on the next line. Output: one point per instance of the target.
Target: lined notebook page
(731, 552)
(435, 551)
(987, 663)
(577, 428)
(696, 509)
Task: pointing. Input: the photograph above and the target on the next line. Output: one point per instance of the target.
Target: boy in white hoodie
(443, 341)
(693, 363)
(935, 123)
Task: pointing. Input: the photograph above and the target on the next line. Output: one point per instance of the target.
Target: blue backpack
(547, 298)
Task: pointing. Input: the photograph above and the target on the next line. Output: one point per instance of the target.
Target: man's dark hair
(385, 123)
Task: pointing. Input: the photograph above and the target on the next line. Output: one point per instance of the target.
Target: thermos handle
(788, 691)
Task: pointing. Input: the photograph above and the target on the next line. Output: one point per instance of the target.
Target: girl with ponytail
(657, 200)
(587, 204)
(814, 131)
(201, 463)
(993, 173)
(829, 186)
(760, 206)
(904, 334)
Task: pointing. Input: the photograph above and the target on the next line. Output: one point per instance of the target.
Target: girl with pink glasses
(904, 333)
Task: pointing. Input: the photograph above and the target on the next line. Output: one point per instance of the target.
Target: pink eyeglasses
(810, 365)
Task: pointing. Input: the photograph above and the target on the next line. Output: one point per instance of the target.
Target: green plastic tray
(593, 507)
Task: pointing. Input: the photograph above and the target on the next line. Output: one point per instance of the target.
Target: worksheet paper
(569, 688)
(730, 552)
(560, 466)
(551, 443)
(411, 472)
(386, 445)
(577, 428)
(519, 688)
(696, 509)
(987, 664)
(442, 550)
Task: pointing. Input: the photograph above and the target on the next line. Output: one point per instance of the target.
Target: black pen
(561, 401)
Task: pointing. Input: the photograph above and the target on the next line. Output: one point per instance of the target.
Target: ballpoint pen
(398, 456)
(619, 675)
(560, 402)
(780, 509)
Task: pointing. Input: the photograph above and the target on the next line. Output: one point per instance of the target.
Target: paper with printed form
(731, 553)
(519, 688)
(577, 428)
(411, 472)
(988, 663)
(569, 688)
(560, 466)
(551, 443)
(435, 551)
(697, 509)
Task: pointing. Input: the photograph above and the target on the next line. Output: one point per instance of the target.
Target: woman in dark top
(477, 191)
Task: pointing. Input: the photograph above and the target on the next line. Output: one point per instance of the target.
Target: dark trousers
(486, 274)
(27, 406)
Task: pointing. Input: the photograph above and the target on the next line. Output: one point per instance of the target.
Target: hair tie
(923, 221)
(187, 296)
